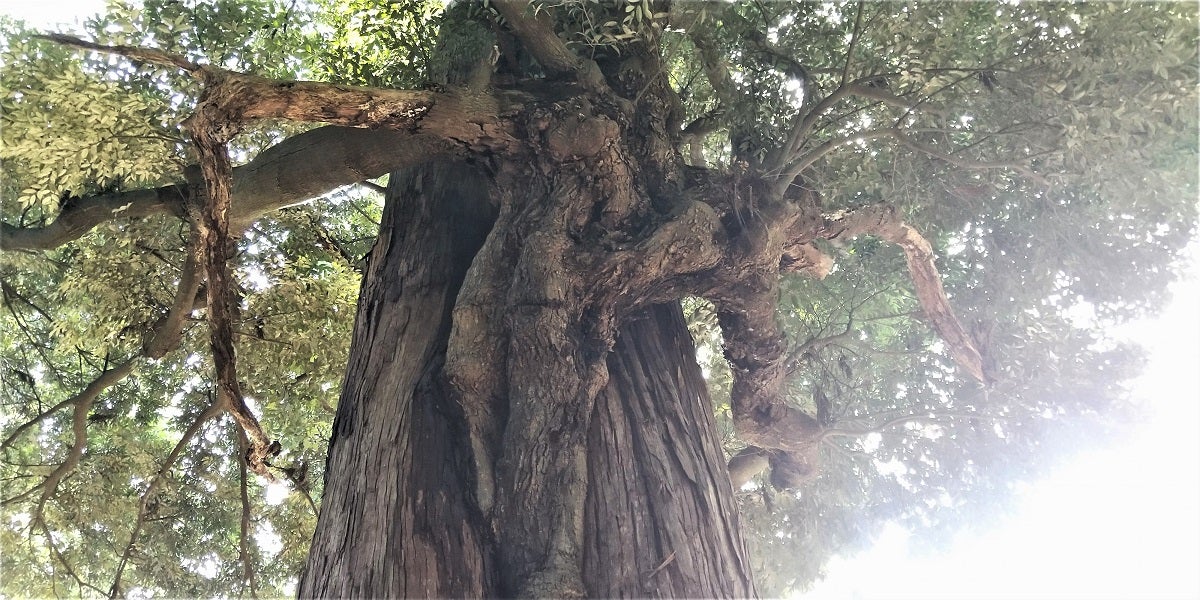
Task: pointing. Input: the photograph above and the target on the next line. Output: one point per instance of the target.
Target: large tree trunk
(397, 517)
(403, 514)
(515, 420)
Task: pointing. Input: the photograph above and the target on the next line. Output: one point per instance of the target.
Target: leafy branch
(213, 410)
(82, 403)
(62, 559)
(928, 417)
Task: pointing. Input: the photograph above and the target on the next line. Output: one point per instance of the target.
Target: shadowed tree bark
(397, 518)
(661, 522)
(400, 515)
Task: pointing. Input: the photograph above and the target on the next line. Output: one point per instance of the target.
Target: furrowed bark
(398, 518)
(660, 521)
(514, 420)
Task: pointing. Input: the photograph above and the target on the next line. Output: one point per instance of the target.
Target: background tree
(520, 401)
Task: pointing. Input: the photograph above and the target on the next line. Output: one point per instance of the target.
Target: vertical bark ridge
(661, 517)
(553, 377)
(397, 518)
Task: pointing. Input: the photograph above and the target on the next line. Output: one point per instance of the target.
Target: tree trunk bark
(661, 520)
(403, 512)
(397, 517)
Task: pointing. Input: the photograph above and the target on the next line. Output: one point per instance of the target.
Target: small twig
(666, 561)
(1019, 167)
(931, 417)
(213, 410)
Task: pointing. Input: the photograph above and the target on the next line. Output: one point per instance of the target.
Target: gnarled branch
(415, 126)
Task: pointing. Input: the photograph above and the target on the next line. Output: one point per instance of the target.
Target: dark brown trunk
(400, 515)
(397, 517)
(660, 520)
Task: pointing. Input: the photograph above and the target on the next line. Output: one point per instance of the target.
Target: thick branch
(299, 168)
(745, 465)
(306, 165)
(169, 330)
(239, 97)
(535, 29)
(756, 349)
(928, 283)
(235, 98)
(212, 226)
(777, 235)
(884, 221)
(81, 215)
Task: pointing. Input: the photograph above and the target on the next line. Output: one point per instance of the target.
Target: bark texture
(660, 521)
(398, 517)
(522, 414)
(404, 513)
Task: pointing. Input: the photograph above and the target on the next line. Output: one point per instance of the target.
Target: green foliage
(1080, 91)
(259, 36)
(65, 132)
(86, 126)
(382, 43)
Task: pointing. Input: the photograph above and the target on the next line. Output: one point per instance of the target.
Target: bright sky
(1117, 523)
(48, 13)
(1121, 522)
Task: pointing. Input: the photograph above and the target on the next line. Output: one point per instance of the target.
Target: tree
(881, 234)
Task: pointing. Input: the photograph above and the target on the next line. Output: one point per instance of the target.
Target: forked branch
(82, 403)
